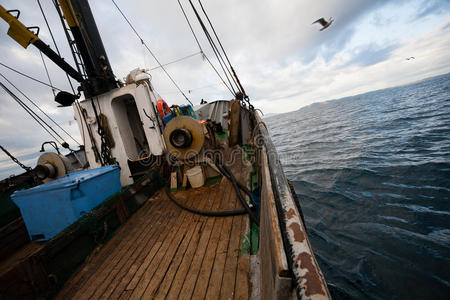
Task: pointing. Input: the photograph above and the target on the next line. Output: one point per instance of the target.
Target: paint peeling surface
(309, 280)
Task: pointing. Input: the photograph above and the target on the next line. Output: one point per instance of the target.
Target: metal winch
(51, 165)
(184, 137)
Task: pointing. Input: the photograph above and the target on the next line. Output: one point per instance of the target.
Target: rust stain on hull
(313, 284)
(299, 236)
(290, 213)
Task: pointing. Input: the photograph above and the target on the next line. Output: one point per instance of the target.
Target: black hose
(227, 173)
(237, 186)
(225, 213)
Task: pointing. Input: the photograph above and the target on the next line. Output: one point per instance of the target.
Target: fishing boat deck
(164, 252)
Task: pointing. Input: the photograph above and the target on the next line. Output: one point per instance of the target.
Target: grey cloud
(370, 55)
(265, 39)
(435, 7)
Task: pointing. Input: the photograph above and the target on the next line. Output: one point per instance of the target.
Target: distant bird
(324, 23)
(412, 57)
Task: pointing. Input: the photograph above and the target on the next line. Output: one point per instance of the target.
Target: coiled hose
(237, 187)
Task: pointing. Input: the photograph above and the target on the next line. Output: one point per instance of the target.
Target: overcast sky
(283, 61)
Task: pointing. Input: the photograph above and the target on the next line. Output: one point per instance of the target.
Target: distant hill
(370, 92)
(269, 115)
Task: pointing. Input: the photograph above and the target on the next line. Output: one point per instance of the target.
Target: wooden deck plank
(110, 250)
(150, 263)
(185, 292)
(142, 266)
(108, 270)
(242, 288)
(185, 256)
(201, 285)
(215, 280)
(125, 279)
(87, 269)
(148, 240)
(173, 260)
(229, 276)
(166, 282)
(167, 250)
(178, 280)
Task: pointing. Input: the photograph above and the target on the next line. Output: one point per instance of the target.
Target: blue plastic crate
(49, 208)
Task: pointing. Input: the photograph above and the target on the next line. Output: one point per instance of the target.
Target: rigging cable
(213, 46)
(62, 144)
(77, 103)
(46, 71)
(75, 53)
(28, 169)
(145, 45)
(26, 108)
(223, 50)
(200, 47)
(29, 77)
(54, 43)
(83, 122)
(177, 60)
(39, 81)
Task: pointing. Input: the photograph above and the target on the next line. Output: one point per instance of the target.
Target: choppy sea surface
(372, 174)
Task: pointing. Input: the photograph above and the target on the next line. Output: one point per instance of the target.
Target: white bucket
(196, 177)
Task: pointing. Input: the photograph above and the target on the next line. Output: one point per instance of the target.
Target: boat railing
(290, 267)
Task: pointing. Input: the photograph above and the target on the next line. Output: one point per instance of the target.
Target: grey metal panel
(215, 111)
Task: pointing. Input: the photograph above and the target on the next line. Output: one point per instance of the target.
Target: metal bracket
(14, 10)
(34, 27)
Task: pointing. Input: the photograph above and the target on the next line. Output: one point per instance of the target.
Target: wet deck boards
(164, 252)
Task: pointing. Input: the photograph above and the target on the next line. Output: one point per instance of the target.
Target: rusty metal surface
(275, 277)
(309, 280)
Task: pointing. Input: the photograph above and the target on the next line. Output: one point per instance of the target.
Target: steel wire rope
(29, 77)
(214, 47)
(44, 113)
(148, 49)
(54, 41)
(46, 71)
(41, 82)
(223, 50)
(201, 50)
(64, 143)
(77, 102)
(218, 40)
(14, 159)
(27, 109)
(177, 60)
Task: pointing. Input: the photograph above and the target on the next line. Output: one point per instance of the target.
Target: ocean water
(372, 174)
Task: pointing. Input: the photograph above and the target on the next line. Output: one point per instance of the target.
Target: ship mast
(100, 77)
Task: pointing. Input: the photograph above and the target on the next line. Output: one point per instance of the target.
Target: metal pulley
(51, 166)
(184, 137)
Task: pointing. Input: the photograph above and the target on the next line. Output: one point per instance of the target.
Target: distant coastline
(366, 93)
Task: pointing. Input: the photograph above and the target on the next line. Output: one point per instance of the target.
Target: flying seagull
(324, 23)
(412, 57)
